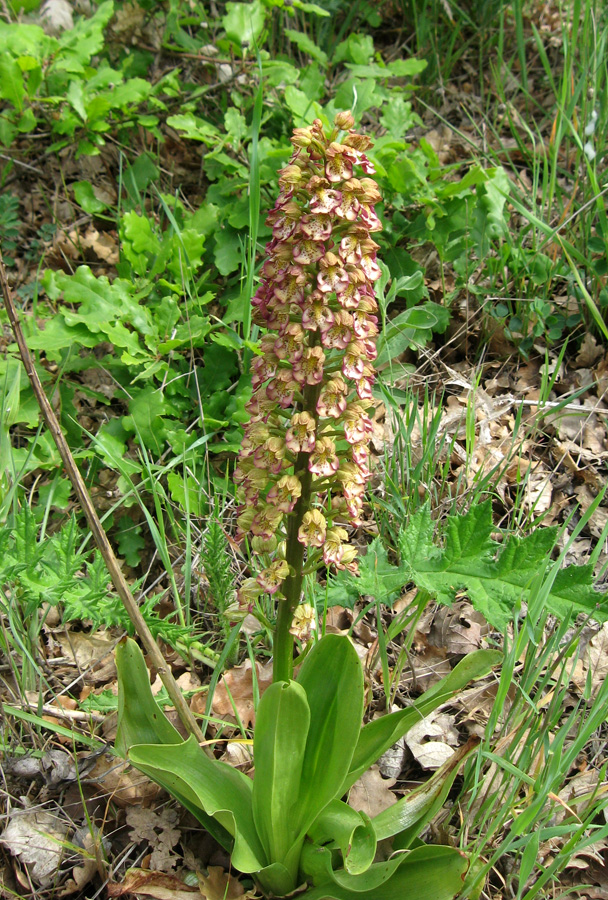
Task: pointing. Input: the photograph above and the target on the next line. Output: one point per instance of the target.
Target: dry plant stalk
(100, 537)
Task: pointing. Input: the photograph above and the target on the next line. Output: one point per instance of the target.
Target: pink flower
(333, 548)
(313, 529)
(285, 493)
(353, 361)
(317, 307)
(272, 577)
(290, 344)
(332, 276)
(316, 313)
(323, 460)
(317, 227)
(300, 437)
(332, 399)
(309, 369)
(338, 166)
(339, 333)
(323, 198)
(270, 455)
(308, 252)
(282, 388)
(266, 521)
(357, 424)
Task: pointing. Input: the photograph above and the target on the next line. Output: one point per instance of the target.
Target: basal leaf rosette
(304, 462)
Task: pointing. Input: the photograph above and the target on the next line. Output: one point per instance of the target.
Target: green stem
(291, 589)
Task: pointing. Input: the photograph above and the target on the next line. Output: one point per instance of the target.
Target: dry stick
(99, 535)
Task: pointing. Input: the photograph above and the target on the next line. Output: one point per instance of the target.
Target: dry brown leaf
(458, 629)
(429, 665)
(237, 684)
(589, 352)
(81, 876)
(158, 829)
(36, 838)
(595, 659)
(220, 885)
(91, 654)
(431, 740)
(103, 244)
(56, 16)
(125, 785)
(391, 762)
(239, 755)
(372, 793)
(154, 884)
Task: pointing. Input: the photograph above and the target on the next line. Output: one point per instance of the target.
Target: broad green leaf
(279, 746)
(84, 194)
(140, 718)
(412, 813)
(495, 576)
(426, 873)
(404, 68)
(304, 109)
(210, 785)
(244, 22)
(332, 677)
(378, 735)
(490, 219)
(306, 44)
(12, 87)
(195, 128)
(350, 831)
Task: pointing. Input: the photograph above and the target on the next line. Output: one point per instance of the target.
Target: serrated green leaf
(495, 577)
(490, 218)
(405, 68)
(398, 117)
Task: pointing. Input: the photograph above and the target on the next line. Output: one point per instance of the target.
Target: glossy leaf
(377, 736)
(332, 677)
(141, 721)
(221, 791)
(352, 832)
(408, 816)
(281, 730)
(140, 718)
(426, 873)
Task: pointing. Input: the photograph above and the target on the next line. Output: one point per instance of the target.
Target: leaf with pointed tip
(222, 792)
(352, 832)
(378, 735)
(408, 816)
(426, 873)
(332, 677)
(279, 746)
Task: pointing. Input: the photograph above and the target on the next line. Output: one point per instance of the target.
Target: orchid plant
(302, 474)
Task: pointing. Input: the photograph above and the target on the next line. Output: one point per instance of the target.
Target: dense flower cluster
(305, 459)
